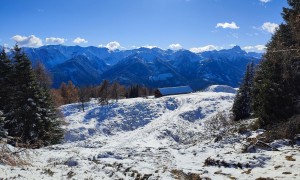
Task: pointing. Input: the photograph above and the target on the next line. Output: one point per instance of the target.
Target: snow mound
(221, 88)
(161, 117)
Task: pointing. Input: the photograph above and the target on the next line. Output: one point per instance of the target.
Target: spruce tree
(242, 103)
(6, 84)
(3, 131)
(276, 94)
(31, 117)
(6, 71)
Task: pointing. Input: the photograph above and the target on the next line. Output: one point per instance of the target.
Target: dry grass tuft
(290, 158)
(12, 156)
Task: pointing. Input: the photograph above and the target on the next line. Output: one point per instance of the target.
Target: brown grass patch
(12, 157)
(290, 158)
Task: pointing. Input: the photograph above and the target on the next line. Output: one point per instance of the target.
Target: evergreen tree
(242, 103)
(6, 71)
(49, 130)
(6, 84)
(3, 132)
(31, 116)
(276, 94)
(134, 91)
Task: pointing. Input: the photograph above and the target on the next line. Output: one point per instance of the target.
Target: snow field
(152, 138)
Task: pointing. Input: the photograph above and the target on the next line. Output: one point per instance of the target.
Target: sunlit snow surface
(161, 138)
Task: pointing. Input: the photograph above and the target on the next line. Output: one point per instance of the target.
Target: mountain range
(150, 67)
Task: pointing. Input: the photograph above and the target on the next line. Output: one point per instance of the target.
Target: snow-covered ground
(164, 138)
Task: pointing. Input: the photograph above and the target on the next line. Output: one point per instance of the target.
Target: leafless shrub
(13, 156)
(179, 174)
(284, 130)
(221, 163)
(219, 126)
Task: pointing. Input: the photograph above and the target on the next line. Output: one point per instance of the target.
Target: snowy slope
(162, 138)
(220, 88)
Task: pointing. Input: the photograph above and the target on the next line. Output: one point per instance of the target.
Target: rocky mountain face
(151, 67)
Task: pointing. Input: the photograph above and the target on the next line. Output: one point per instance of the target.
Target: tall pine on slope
(276, 94)
(31, 116)
(242, 103)
(6, 71)
(6, 84)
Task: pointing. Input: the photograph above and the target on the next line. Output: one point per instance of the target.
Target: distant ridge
(150, 67)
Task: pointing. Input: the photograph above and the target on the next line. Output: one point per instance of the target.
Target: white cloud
(265, 1)
(79, 40)
(225, 25)
(204, 48)
(28, 41)
(257, 48)
(113, 45)
(55, 40)
(175, 46)
(269, 27)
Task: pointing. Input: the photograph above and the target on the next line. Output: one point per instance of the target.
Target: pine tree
(6, 84)
(277, 82)
(30, 116)
(6, 71)
(3, 131)
(49, 130)
(134, 91)
(242, 103)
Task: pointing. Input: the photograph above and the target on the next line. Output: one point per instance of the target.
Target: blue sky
(125, 24)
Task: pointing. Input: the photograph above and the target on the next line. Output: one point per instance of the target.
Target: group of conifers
(28, 116)
(271, 91)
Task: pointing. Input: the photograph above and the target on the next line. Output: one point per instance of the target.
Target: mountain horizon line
(235, 47)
